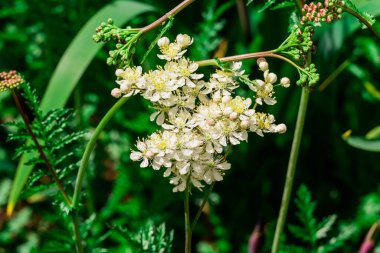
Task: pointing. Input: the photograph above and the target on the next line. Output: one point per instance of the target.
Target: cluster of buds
(126, 40)
(199, 118)
(331, 10)
(309, 76)
(9, 80)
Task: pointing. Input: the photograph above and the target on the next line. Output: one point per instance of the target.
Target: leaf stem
(334, 74)
(291, 168)
(39, 148)
(204, 201)
(188, 230)
(361, 19)
(171, 13)
(77, 235)
(90, 147)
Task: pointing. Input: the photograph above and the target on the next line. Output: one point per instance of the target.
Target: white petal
(135, 156)
(216, 175)
(144, 163)
(160, 119)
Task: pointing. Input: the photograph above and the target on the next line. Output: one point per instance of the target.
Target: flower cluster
(329, 11)
(9, 80)
(200, 119)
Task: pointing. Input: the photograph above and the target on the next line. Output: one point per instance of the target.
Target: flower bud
(116, 92)
(261, 59)
(125, 88)
(263, 66)
(119, 72)
(233, 116)
(210, 122)
(285, 82)
(163, 42)
(184, 40)
(281, 128)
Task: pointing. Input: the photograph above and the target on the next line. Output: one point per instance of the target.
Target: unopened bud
(210, 122)
(119, 72)
(285, 82)
(244, 124)
(116, 93)
(184, 40)
(263, 66)
(233, 116)
(162, 42)
(281, 128)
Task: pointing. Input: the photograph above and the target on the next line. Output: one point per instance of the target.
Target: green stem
(334, 74)
(90, 147)
(188, 231)
(291, 168)
(299, 5)
(77, 235)
(361, 19)
(39, 148)
(204, 201)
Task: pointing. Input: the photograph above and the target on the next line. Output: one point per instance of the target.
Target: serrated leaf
(66, 75)
(363, 143)
(268, 4)
(284, 4)
(325, 226)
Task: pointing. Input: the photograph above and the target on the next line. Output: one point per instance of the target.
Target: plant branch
(362, 20)
(90, 147)
(188, 230)
(39, 148)
(77, 235)
(213, 62)
(204, 201)
(334, 74)
(291, 168)
(171, 13)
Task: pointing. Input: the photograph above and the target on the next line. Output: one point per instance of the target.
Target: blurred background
(343, 180)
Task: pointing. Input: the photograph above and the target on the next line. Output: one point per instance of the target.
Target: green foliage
(53, 132)
(209, 28)
(367, 16)
(150, 239)
(312, 231)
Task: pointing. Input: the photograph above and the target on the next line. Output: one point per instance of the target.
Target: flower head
(10, 80)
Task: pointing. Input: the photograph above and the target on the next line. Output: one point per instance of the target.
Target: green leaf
(375, 93)
(373, 133)
(82, 50)
(363, 143)
(69, 70)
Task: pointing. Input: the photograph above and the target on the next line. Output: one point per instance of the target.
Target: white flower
(184, 40)
(185, 72)
(158, 85)
(214, 170)
(285, 82)
(143, 154)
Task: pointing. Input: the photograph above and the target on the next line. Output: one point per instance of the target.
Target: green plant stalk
(90, 147)
(291, 168)
(188, 230)
(77, 235)
(362, 20)
(334, 74)
(39, 148)
(204, 201)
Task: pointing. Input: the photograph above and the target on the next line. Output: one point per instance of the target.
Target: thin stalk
(39, 148)
(207, 195)
(334, 74)
(77, 235)
(204, 201)
(188, 230)
(299, 5)
(213, 62)
(291, 168)
(171, 13)
(361, 19)
(90, 147)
